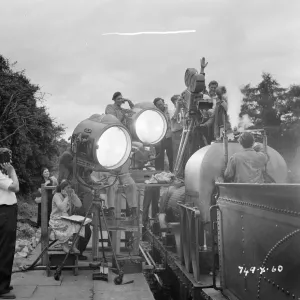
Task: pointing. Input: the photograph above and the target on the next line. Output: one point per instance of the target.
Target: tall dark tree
(25, 126)
(260, 101)
(277, 109)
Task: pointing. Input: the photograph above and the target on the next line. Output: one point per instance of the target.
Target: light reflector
(151, 126)
(114, 147)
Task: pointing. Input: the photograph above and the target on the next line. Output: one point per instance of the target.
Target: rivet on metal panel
(282, 290)
(242, 228)
(287, 292)
(243, 252)
(278, 286)
(276, 225)
(241, 216)
(243, 240)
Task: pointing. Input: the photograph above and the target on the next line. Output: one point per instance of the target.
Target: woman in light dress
(62, 203)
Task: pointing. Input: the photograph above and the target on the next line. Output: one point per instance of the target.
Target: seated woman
(62, 202)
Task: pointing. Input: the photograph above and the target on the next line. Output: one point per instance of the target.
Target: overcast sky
(60, 45)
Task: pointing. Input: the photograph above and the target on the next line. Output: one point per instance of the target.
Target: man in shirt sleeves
(9, 185)
(125, 178)
(248, 165)
(116, 110)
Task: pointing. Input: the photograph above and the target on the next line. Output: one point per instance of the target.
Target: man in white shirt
(213, 85)
(9, 185)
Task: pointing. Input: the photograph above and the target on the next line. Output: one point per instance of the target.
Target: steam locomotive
(217, 240)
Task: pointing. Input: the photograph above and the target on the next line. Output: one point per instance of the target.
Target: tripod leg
(101, 234)
(109, 238)
(182, 148)
(95, 240)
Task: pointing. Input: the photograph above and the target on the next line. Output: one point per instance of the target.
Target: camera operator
(9, 185)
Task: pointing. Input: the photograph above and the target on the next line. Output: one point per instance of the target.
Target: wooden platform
(121, 224)
(57, 255)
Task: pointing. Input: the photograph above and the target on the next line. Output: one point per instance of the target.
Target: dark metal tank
(202, 170)
(205, 166)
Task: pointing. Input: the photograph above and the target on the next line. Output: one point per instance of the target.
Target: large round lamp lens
(113, 147)
(151, 126)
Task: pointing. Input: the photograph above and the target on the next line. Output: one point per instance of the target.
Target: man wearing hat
(125, 178)
(248, 165)
(116, 109)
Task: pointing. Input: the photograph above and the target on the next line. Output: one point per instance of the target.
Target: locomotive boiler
(202, 171)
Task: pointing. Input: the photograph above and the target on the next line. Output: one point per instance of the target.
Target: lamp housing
(147, 124)
(101, 143)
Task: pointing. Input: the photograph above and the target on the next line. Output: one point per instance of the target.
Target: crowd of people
(246, 166)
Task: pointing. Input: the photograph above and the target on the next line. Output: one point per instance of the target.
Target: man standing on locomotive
(247, 166)
(219, 115)
(125, 178)
(213, 85)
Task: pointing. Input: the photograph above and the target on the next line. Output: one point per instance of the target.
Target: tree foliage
(277, 109)
(25, 127)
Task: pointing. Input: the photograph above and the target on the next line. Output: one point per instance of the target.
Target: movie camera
(194, 94)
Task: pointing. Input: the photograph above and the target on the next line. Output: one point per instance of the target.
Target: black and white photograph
(150, 150)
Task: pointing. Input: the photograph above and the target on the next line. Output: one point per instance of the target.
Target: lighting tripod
(97, 203)
(189, 124)
(98, 209)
